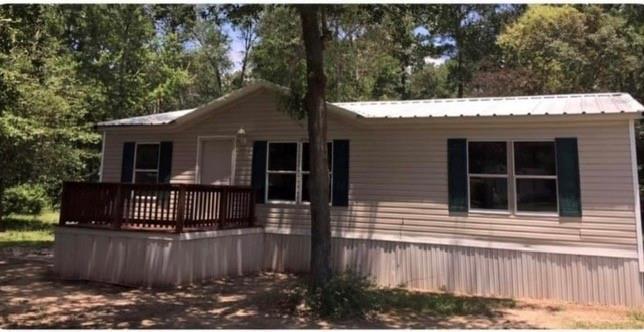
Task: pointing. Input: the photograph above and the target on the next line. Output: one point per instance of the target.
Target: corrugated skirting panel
(116, 258)
(475, 271)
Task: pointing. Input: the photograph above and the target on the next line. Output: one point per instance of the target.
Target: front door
(216, 162)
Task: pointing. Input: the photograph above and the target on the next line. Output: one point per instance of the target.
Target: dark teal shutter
(258, 173)
(457, 174)
(127, 164)
(340, 173)
(165, 162)
(568, 177)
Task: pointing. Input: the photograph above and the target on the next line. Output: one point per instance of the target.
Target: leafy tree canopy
(65, 67)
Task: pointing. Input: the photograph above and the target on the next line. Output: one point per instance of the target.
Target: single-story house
(533, 196)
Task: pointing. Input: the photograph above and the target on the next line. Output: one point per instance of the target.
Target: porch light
(241, 136)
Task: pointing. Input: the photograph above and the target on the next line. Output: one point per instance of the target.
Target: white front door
(216, 161)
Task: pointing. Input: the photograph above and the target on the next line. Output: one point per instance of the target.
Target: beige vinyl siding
(398, 174)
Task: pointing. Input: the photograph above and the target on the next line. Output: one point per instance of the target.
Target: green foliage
(28, 230)
(345, 296)
(44, 136)
(350, 296)
(442, 304)
(25, 199)
(66, 67)
(278, 57)
(430, 82)
(568, 49)
(467, 33)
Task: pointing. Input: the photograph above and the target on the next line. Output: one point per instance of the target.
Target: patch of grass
(29, 230)
(439, 304)
(634, 320)
(627, 324)
(349, 296)
(636, 316)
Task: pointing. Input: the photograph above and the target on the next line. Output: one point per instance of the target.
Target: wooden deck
(156, 207)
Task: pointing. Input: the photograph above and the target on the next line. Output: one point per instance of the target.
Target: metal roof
(147, 120)
(596, 103)
(600, 103)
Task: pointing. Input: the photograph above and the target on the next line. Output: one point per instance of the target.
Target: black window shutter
(127, 165)
(457, 174)
(165, 162)
(258, 174)
(340, 173)
(568, 177)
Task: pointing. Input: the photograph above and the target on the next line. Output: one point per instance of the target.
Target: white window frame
(516, 177)
(298, 174)
(511, 177)
(505, 176)
(136, 152)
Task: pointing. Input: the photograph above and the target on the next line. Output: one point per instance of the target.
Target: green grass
(26, 230)
(438, 304)
(635, 320)
(354, 298)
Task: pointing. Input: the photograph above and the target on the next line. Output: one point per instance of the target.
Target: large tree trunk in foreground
(317, 124)
(2, 227)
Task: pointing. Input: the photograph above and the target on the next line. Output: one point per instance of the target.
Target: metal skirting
(149, 259)
(474, 271)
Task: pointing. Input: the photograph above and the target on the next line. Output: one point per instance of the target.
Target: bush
(345, 296)
(24, 199)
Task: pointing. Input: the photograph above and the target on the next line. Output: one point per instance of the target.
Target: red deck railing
(159, 207)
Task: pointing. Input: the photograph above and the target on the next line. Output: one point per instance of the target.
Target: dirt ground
(32, 297)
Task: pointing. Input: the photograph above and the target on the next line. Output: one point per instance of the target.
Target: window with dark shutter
(488, 176)
(146, 163)
(457, 174)
(535, 176)
(282, 172)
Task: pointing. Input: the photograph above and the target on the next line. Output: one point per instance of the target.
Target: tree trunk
(314, 104)
(242, 75)
(248, 44)
(2, 227)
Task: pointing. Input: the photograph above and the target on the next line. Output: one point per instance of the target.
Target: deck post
(223, 211)
(62, 218)
(181, 209)
(251, 210)
(117, 213)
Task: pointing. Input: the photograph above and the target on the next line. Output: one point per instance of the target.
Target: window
(528, 184)
(282, 171)
(488, 175)
(146, 166)
(287, 172)
(535, 173)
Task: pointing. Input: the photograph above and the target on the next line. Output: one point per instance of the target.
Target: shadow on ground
(34, 298)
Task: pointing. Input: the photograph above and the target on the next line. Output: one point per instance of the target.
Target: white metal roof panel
(147, 120)
(600, 103)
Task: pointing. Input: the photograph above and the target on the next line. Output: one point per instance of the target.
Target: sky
(236, 47)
